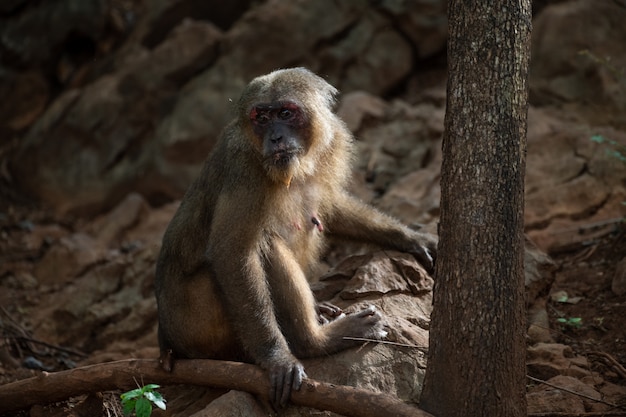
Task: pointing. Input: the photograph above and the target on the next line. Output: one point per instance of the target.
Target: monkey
(231, 278)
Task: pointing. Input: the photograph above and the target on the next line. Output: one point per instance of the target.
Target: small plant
(140, 400)
(615, 149)
(574, 322)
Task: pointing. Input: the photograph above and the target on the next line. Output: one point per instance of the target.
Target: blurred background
(104, 97)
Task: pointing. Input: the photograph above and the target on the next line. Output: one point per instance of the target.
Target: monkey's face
(280, 130)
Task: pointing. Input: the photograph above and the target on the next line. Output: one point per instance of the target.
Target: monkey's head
(287, 116)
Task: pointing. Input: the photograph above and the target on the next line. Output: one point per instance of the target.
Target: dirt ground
(584, 276)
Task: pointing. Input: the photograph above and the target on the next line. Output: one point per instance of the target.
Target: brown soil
(586, 271)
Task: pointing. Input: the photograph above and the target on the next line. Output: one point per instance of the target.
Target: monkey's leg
(296, 311)
(192, 320)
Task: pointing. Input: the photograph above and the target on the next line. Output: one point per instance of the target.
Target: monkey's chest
(300, 227)
(300, 224)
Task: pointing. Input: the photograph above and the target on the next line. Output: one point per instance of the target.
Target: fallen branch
(616, 366)
(578, 394)
(57, 386)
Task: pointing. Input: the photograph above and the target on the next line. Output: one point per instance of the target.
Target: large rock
(96, 144)
(574, 185)
(156, 107)
(584, 65)
(43, 33)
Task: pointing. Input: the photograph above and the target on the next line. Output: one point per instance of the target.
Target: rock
(558, 213)
(618, 284)
(26, 95)
(384, 60)
(123, 217)
(357, 106)
(539, 275)
(547, 360)
(396, 146)
(548, 399)
(378, 274)
(543, 169)
(233, 404)
(68, 258)
(539, 271)
(579, 67)
(538, 323)
(424, 22)
(112, 299)
(573, 198)
(106, 130)
(40, 33)
(414, 198)
(153, 111)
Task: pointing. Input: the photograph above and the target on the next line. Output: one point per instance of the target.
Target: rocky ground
(106, 133)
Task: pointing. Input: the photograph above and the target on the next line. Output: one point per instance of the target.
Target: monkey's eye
(262, 118)
(285, 114)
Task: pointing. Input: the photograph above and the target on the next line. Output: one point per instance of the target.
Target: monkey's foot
(365, 324)
(327, 312)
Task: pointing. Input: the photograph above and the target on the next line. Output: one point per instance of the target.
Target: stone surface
(584, 66)
(144, 118)
(547, 360)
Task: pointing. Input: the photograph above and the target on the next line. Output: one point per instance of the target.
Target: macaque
(231, 278)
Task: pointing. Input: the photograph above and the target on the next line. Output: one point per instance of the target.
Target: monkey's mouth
(283, 158)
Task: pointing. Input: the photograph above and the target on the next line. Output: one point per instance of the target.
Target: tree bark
(477, 350)
(57, 386)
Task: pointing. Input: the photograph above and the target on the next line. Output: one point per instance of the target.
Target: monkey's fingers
(328, 309)
(284, 379)
(370, 310)
(424, 257)
(276, 387)
(292, 382)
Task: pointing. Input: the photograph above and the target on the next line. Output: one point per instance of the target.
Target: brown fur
(231, 280)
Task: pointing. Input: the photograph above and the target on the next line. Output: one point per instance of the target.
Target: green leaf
(143, 408)
(129, 406)
(136, 393)
(598, 138)
(151, 387)
(157, 399)
(576, 322)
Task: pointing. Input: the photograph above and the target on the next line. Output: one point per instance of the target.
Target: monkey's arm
(236, 261)
(353, 219)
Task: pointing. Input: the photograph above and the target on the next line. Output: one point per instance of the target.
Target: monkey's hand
(425, 250)
(286, 374)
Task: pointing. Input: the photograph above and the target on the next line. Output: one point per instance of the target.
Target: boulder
(584, 66)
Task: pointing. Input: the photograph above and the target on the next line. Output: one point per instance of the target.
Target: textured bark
(57, 386)
(477, 350)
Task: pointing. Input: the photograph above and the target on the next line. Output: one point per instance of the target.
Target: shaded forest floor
(584, 313)
(590, 317)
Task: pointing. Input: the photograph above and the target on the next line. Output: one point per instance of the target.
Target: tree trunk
(476, 364)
